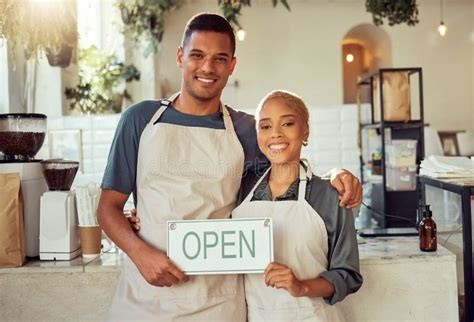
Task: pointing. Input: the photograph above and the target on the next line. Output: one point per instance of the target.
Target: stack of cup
(87, 200)
(91, 237)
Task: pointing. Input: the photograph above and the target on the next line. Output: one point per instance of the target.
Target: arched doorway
(365, 48)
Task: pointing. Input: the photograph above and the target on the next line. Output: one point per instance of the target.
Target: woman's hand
(281, 276)
(134, 220)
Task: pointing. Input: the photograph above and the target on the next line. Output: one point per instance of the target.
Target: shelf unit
(402, 204)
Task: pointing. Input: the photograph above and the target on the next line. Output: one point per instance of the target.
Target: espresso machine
(59, 234)
(21, 137)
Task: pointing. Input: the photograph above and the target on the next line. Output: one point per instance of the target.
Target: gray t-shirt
(121, 170)
(343, 253)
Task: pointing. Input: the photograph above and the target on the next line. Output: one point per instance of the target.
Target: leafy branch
(395, 11)
(100, 77)
(145, 20)
(231, 9)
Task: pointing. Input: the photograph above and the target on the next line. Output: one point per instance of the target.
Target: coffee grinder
(21, 137)
(59, 234)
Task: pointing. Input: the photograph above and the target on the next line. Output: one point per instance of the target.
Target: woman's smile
(278, 146)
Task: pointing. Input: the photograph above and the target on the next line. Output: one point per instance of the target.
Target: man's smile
(207, 80)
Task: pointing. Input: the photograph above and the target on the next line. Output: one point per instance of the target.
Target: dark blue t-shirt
(121, 171)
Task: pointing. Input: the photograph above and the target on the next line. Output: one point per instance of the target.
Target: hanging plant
(39, 26)
(61, 58)
(395, 11)
(231, 9)
(101, 83)
(144, 20)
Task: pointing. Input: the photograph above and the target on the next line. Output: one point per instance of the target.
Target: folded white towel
(434, 174)
(447, 167)
(451, 163)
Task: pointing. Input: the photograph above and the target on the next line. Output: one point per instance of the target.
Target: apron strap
(250, 195)
(303, 182)
(229, 126)
(309, 172)
(163, 106)
(305, 176)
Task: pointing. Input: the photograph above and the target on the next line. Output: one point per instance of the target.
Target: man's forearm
(118, 229)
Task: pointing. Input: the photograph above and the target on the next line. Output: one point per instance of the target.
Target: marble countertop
(371, 251)
(397, 249)
(110, 259)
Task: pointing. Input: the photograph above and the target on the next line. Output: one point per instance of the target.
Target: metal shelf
(400, 203)
(368, 80)
(413, 124)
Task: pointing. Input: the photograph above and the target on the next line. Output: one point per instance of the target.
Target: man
(182, 158)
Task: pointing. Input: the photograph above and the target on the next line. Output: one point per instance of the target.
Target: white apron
(183, 173)
(301, 243)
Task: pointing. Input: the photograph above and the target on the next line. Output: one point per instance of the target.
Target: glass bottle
(427, 230)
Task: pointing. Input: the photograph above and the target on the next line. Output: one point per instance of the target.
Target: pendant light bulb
(241, 35)
(442, 29)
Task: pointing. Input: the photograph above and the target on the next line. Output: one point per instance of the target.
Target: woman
(315, 245)
(316, 257)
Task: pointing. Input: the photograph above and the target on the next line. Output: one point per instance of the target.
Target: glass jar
(21, 135)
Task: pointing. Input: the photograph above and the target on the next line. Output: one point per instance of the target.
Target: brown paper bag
(396, 97)
(12, 235)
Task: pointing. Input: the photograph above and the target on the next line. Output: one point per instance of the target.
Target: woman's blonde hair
(291, 99)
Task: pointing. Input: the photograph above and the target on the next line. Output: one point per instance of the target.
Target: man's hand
(157, 268)
(154, 265)
(281, 276)
(349, 188)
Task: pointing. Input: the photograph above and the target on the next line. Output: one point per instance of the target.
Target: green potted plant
(41, 27)
(100, 79)
(395, 11)
(144, 20)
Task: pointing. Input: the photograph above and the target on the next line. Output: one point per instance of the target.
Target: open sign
(221, 246)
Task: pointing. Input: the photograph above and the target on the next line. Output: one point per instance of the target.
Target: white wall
(4, 97)
(301, 51)
(472, 65)
(446, 62)
(333, 139)
(97, 132)
(13, 78)
(50, 85)
(148, 86)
